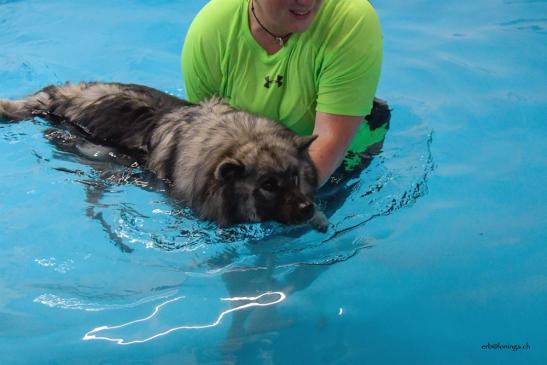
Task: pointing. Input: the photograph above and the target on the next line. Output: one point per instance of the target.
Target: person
(312, 65)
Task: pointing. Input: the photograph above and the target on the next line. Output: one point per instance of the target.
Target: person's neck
(262, 33)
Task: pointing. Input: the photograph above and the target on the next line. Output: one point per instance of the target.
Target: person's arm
(335, 133)
(202, 46)
(347, 85)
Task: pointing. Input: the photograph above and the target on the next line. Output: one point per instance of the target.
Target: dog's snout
(306, 209)
(304, 206)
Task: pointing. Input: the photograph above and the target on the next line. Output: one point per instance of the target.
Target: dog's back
(114, 114)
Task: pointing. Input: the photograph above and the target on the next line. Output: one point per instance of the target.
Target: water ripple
(536, 25)
(74, 303)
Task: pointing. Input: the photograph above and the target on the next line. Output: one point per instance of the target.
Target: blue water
(438, 250)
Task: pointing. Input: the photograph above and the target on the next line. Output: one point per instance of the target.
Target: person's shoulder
(347, 13)
(345, 22)
(218, 12)
(214, 7)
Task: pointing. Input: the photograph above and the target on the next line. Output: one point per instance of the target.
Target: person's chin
(301, 23)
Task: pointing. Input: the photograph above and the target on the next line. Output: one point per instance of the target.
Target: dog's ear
(303, 143)
(229, 169)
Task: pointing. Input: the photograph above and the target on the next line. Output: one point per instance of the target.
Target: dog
(229, 166)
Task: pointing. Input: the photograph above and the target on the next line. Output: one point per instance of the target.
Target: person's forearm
(334, 136)
(327, 156)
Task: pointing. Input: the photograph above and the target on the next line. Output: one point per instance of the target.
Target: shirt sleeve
(200, 57)
(352, 63)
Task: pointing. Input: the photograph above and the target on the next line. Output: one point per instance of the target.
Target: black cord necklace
(279, 39)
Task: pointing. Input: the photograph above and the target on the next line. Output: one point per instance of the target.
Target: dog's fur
(229, 166)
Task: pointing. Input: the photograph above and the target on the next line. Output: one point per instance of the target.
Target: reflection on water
(262, 300)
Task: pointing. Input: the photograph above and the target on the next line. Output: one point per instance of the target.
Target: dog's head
(271, 178)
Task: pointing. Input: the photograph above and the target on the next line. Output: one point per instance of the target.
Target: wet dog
(229, 166)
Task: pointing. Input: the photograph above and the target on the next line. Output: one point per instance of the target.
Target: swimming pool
(436, 255)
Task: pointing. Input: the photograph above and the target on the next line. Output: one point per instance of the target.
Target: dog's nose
(306, 210)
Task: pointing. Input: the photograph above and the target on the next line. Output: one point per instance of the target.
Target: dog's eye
(270, 185)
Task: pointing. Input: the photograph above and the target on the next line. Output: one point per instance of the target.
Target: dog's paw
(319, 221)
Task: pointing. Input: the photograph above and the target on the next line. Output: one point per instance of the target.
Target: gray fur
(228, 165)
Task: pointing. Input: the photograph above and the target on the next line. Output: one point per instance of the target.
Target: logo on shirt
(278, 81)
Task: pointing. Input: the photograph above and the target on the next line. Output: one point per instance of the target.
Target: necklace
(279, 39)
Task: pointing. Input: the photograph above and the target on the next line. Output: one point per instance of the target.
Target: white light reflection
(91, 335)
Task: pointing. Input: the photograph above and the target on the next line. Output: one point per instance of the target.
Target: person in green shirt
(312, 65)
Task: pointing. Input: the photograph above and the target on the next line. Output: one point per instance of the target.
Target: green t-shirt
(333, 67)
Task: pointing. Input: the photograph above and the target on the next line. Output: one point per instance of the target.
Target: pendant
(280, 41)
